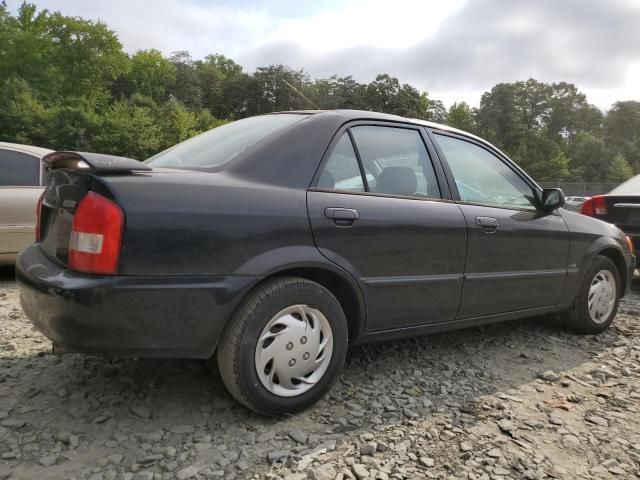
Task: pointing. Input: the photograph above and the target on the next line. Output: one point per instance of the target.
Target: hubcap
(602, 296)
(294, 350)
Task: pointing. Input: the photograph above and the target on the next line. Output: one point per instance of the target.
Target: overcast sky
(454, 49)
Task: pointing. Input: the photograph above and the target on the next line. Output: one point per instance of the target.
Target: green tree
(461, 116)
(128, 130)
(23, 117)
(151, 74)
(186, 88)
(622, 131)
(620, 169)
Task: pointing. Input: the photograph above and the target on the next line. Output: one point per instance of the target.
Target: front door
(516, 255)
(378, 211)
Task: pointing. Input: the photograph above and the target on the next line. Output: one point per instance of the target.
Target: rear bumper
(127, 316)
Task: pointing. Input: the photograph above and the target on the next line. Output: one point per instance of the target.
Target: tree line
(67, 83)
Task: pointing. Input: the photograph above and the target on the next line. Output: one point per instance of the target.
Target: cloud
(454, 49)
(593, 44)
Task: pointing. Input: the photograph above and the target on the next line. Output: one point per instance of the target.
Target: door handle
(343, 217)
(488, 224)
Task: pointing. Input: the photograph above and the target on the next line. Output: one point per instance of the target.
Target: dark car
(621, 206)
(277, 241)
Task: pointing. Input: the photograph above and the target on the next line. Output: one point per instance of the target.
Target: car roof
(350, 115)
(30, 149)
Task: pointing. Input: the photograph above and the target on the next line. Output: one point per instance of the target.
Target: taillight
(39, 217)
(593, 206)
(96, 235)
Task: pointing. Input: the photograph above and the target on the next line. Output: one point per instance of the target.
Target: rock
(296, 476)
(369, 448)
(466, 446)
(13, 423)
(188, 472)
(277, 456)
(266, 436)
(494, 453)
(5, 473)
(360, 471)
(115, 458)
(182, 429)
(143, 475)
(410, 413)
(446, 435)
(48, 460)
(323, 472)
(549, 376)
(140, 411)
(298, 435)
(555, 419)
(427, 462)
(570, 441)
(597, 420)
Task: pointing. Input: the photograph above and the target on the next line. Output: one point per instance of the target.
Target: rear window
(216, 147)
(631, 186)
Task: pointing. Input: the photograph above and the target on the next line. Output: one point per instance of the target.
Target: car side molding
(97, 162)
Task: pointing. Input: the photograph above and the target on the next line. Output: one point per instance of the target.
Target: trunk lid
(71, 176)
(624, 212)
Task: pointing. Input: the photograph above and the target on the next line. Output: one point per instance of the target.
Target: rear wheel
(284, 346)
(596, 303)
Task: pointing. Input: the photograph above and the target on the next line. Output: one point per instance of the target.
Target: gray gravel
(515, 400)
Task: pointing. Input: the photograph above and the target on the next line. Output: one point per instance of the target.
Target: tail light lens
(96, 235)
(39, 217)
(594, 206)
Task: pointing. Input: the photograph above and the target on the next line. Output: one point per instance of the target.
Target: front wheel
(596, 303)
(284, 346)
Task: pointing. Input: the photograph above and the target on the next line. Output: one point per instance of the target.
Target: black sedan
(277, 241)
(621, 206)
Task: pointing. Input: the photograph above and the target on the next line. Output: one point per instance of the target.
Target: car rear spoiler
(96, 162)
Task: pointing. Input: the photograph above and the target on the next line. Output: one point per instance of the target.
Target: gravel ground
(515, 400)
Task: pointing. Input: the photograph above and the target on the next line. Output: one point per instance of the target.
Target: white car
(575, 200)
(21, 182)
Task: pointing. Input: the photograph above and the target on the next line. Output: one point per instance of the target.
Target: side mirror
(552, 198)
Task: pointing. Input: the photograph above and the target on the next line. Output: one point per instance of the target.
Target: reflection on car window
(481, 177)
(396, 161)
(341, 171)
(222, 144)
(18, 169)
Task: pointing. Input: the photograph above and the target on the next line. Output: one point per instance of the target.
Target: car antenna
(300, 93)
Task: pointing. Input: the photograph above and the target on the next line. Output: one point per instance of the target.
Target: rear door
(517, 255)
(380, 208)
(19, 192)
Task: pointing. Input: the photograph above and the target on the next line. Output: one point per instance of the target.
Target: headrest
(397, 181)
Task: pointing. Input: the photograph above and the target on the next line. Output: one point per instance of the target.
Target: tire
(578, 317)
(281, 302)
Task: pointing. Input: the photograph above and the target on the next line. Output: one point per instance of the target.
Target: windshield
(222, 144)
(630, 186)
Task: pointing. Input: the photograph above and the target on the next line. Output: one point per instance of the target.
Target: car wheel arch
(340, 284)
(617, 257)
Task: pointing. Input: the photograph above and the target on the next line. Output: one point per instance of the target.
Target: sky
(453, 49)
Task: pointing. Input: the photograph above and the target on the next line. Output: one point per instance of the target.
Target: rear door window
(342, 172)
(396, 161)
(18, 169)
